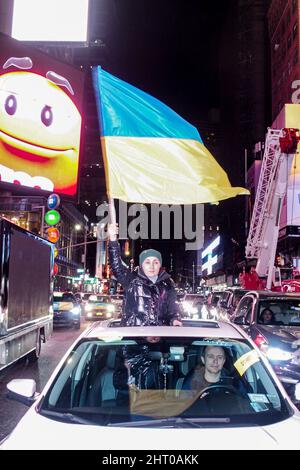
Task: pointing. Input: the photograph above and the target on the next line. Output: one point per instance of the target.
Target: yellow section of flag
(164, 171)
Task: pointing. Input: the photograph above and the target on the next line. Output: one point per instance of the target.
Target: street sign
(53, 201)
(52, 217)
(53, 234)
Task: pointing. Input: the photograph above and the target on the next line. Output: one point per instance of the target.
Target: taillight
(261, 342)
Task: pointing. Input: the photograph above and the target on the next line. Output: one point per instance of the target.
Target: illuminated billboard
(209, 259)
(50, 20)
(40, 119)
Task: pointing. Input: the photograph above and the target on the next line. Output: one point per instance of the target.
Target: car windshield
(63, 298)
(99, 299)
(284, 311)
(237, 297)
(132, 380)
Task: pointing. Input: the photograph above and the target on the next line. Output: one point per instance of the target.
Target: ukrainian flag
(151, 154)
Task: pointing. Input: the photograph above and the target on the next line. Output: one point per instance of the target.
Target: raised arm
(121, 272)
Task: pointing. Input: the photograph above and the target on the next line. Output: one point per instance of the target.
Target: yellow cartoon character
(39, 129)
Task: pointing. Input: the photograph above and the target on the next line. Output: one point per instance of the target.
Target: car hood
(38, 432)
(281, 334)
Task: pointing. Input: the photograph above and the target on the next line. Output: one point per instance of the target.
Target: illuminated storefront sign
(211, 259)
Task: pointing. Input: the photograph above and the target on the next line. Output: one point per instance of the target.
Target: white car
(125, 388)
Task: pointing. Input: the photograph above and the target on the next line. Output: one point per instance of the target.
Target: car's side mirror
(22, 390)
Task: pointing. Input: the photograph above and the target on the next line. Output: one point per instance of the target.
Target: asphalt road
(12, 411)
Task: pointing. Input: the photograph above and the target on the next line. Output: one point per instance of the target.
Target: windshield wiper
(68, 416)
(195, 422)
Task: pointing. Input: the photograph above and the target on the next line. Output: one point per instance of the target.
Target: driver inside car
(211, 383)
(209, 372)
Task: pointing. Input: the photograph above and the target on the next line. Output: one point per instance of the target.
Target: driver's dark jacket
(145, 303)
(195, 379)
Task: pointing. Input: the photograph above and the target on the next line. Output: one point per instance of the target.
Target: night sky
(168, 48)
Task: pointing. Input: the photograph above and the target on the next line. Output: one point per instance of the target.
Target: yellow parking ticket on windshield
(245, 361)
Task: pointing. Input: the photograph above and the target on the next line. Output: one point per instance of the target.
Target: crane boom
(280, 148)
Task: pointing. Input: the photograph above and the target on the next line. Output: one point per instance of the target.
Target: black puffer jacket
(145, 303)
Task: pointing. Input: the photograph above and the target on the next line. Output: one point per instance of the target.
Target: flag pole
(112, 210)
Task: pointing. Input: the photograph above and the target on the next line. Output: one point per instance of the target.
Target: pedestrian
(249, 279)
(149, 292)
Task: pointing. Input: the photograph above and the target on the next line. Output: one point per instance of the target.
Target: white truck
(26, 269)
(280, 149)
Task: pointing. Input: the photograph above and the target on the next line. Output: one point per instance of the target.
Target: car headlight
(110, 308)
(75, 311)
(204, 312)
(277, 354)
(214, 311)
(88, 308)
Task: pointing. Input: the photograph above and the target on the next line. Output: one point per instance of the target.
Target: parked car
(229, 301)
(99, 307)
(275, 336)
(66, 309)
(123, 388)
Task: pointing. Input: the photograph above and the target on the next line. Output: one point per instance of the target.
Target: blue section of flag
(126, 111)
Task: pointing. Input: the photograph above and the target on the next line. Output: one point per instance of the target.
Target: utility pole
(193, 277)
(86, 227)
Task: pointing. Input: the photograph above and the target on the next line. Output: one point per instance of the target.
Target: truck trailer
(26, 286)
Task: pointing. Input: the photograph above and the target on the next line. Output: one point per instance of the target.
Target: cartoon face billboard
(40, 119)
